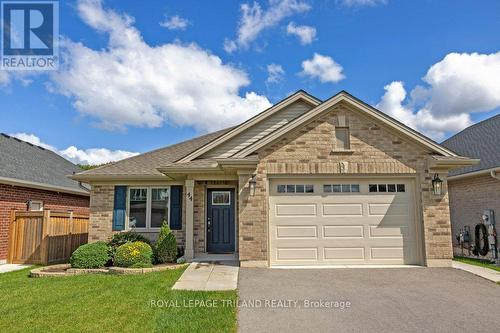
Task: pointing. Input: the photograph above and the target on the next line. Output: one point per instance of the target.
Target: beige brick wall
(101, 216)
(101, 212)
(199, 203)
(468, 198)
(375, 150)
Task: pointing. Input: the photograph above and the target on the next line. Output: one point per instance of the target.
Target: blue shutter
(176, 207)
(120, 208)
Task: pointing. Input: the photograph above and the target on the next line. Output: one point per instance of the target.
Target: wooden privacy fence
(46, 237)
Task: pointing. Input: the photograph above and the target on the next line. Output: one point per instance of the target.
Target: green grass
(477, 262)
(108, 303)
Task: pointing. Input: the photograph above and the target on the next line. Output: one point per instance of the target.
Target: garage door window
(341, 188)
(295, 188)
(383, 188)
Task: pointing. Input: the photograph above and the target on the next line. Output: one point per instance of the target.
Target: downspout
(494, 174)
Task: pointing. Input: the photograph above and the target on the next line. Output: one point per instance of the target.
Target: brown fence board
(45, 237)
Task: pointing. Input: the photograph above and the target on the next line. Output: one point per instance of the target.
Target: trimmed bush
(166, 246)
(133, 254)
(122, 238)
(93, 255)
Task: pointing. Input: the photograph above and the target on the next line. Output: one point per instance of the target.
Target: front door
(220, 220)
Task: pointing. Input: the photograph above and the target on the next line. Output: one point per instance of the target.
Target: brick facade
(101, 214)
(15, 197)
(375, 150)
(468, 198)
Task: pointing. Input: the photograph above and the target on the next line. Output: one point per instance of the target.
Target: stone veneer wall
(375, 150)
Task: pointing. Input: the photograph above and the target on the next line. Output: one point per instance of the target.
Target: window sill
(342, 151)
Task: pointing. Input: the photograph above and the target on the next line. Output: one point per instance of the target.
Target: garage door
(339, 222)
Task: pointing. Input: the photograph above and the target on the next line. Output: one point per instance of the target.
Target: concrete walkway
(208, 277)
(11, 267)
(486, 273)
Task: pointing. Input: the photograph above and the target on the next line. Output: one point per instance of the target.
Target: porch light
(437, 185)
(253, 184)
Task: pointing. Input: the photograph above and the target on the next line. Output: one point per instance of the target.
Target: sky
(139, 75)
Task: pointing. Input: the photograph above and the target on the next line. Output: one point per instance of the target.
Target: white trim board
(345, 97)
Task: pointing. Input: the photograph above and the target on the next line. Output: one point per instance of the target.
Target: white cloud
(92, 156)
(175, 23)
(422, 120)
(305, 33)
(254, 20)
(133, 83)
(275, 73)
(324, 68)
(457, 86)
(33, 139)
(362, 3)
(4, 78)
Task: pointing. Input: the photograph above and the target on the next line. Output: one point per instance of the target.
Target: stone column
(189, 250)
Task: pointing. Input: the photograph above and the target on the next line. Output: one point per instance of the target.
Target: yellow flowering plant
(134, 254)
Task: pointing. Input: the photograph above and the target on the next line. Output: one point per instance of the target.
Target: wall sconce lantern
(253, 184)
(437, 185)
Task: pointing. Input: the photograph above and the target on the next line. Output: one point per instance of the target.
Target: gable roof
(482, 141)
(346, 97)
(25, 164)
(184, 154)
(300, 95)
(145, 165)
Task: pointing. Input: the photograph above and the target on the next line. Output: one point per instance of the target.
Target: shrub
(125, 237)
(133, 253)
(166, 246)
(93, 255)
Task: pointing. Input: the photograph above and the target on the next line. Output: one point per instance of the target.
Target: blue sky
(139, 75)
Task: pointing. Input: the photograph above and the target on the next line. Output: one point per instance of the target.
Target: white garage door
(342, 222)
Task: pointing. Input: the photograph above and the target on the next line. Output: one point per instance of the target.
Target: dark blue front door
(220, 220)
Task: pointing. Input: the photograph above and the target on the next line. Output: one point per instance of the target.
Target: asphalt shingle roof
(24, 161)
(146, 164)
(482, 141)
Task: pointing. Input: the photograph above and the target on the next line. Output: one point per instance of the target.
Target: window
(387, 188)
(221, 198)
(159, 206)
(340, 188)
(148, 207)
(342, 138)
(35, 205)
(138, 207)
(299, 188)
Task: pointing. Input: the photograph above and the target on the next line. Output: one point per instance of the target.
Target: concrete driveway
(381, 300)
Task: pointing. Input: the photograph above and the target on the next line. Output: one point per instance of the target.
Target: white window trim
(149, 200)
(220, 204)
(40, 202)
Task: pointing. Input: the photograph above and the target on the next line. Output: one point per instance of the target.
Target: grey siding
(258, 131)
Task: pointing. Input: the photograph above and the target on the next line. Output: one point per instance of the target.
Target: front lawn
(108, 303)
(477, 262)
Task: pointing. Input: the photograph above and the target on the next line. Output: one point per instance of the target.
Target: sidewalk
(480, 271)
(208, 277)
(5, 268)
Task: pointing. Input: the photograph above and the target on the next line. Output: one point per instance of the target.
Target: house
(34, 178)
(304, 183)
(476, 188)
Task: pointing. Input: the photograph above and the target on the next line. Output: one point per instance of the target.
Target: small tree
(166, 246)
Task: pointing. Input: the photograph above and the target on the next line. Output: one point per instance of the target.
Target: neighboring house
(306, 182)
(33, 178)
(475, 188)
